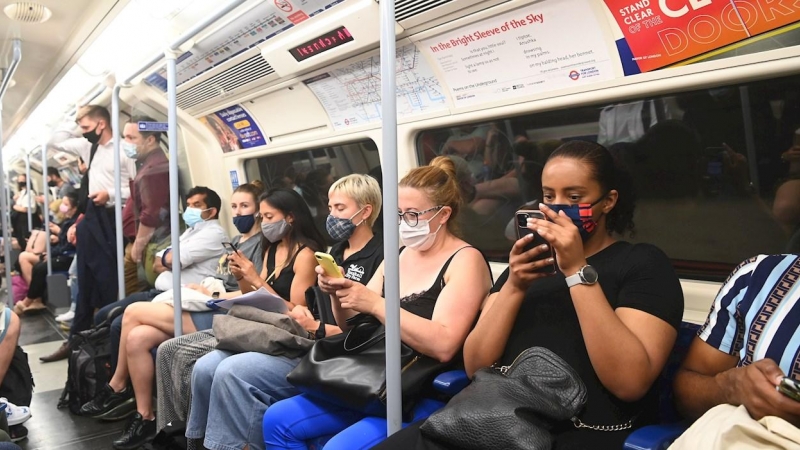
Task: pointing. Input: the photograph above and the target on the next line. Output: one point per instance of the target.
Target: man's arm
(154, 198)
(127, 173)
(67, 139)
(204, 245)
(709, 377)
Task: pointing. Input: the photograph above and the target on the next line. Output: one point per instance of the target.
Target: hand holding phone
(230, 247)
(328, 264)
(790, 388)
(522, 217)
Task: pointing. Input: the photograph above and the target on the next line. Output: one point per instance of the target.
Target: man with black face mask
(58, 188)
(96, 242)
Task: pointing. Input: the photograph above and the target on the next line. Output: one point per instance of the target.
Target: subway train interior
(698, 100)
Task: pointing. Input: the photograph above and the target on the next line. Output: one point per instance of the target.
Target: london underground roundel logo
(574, 75)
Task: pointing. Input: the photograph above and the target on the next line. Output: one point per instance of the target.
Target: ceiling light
(11, 83)
(28, 12)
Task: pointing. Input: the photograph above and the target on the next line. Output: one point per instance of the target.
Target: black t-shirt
(361, 265)
(636, 276)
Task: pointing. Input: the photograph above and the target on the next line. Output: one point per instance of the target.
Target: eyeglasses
(412, 217)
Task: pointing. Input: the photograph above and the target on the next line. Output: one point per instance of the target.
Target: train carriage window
(717, 171)
(311, 172)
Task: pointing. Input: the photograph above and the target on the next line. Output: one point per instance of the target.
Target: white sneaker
(66, 317)
(16, 414)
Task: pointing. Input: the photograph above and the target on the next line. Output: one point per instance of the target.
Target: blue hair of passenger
(610, 176)
(211, 198)
(303, 231)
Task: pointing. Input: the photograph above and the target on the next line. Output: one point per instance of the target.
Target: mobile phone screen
(231, 248)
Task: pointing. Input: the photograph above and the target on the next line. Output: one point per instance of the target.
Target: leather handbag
(511, 407)
(349, 369)
(249, 329)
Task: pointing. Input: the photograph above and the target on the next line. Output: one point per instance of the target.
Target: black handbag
(349, 369)
(512, 407)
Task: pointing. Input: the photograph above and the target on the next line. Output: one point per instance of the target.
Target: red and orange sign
(662, 32)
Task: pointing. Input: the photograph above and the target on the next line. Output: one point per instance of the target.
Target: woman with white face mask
(443, 282)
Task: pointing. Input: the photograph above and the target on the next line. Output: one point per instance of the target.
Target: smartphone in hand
(521, 220)
(230, 247)
(328, 264)
(790, 388)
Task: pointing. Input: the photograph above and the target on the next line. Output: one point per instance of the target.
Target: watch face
(589, 274)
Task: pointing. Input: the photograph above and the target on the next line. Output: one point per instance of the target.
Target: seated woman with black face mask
(611, 311)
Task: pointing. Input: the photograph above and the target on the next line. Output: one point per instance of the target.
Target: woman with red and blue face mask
(611, 310)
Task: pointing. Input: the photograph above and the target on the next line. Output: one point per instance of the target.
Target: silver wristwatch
(586, 275)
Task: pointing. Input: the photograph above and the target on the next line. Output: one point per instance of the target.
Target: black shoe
(17, 433)
(137, 433)
(108, 404)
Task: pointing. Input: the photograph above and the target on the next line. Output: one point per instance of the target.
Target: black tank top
(282, 284)
(422, 303)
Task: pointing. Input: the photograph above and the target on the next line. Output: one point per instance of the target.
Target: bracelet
(164, 257)
(320, 334)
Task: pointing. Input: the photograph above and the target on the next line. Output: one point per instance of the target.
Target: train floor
(50, 428)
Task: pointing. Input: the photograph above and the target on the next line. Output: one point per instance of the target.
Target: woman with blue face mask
(443, 281)
(611, 311)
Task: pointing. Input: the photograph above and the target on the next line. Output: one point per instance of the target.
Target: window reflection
(717, 171)
(312, 172)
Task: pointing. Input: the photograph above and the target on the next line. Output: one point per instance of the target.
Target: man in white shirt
(94, 123)
(96, 253)
(201, 249)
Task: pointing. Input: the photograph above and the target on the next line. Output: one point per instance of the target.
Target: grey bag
(249, 329)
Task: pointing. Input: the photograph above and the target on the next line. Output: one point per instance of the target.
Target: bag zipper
(382, 393)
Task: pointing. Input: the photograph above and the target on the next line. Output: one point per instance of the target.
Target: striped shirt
(756, 313)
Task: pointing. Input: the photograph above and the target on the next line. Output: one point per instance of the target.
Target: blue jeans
(116, 324)
(296, 422)
(230, 393)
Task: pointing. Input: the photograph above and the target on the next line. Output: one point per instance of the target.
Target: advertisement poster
(662, 32)
(534, 49)
(234, 129)
(351, 95)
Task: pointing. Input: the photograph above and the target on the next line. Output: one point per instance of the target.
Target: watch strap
(574, 279)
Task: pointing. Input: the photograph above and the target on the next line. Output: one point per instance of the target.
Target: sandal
(35, 305)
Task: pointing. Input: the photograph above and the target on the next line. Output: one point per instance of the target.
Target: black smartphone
(522, 217)
(229, 245)
(789, 388)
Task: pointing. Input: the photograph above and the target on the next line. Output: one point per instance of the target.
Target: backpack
(18, 384)
(89, 367)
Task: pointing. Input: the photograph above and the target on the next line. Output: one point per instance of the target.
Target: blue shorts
(204, 319)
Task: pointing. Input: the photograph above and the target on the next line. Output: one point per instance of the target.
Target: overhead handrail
(4, 198)
(391, 243)
(172, 120)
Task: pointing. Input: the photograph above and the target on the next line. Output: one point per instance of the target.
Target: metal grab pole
(118, 186)
(28, 190)
(5, 198)
(46, 209)
(174, 199)
(390, 240)
(190, 33)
